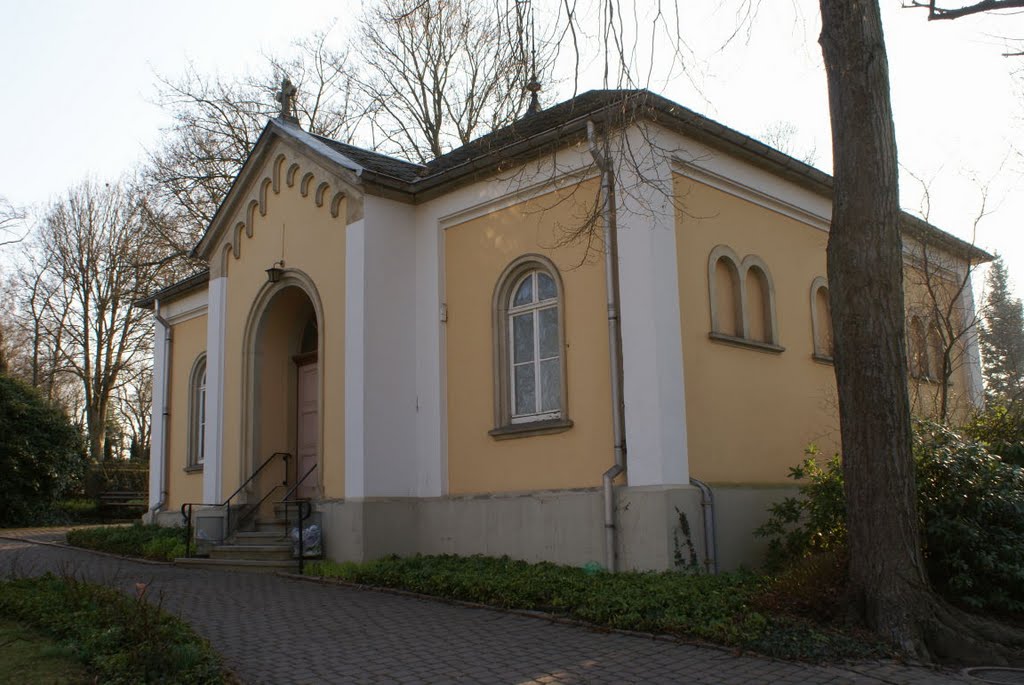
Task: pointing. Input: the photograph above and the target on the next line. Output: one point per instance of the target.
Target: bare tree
(887, 581)
(865, 269)
(439, 73)
(11, 223)
(944, 320)
(37, 325)
(217, 121)
(782, 135)
(134, 406)
(103, 261)
(958, 10)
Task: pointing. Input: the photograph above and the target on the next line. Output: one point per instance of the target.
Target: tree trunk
(865, 272)
(96, 427)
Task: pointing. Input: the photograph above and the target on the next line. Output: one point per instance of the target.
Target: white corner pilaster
(157, 439)
(213, 476)
(355, 320)
(431, 425)
(972, 355)
(653, 385)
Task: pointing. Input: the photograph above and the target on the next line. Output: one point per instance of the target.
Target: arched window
(725, 293)
(759, 315)
(742, 301)
(918, 348)
(530, 385)
(821, 320)
(726, 308)
(936, 353)
(197, 414)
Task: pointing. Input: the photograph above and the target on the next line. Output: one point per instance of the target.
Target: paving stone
(275, 630)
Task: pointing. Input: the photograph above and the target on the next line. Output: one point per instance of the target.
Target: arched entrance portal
(286, 413)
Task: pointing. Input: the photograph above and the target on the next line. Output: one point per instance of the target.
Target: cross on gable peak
(286, 98)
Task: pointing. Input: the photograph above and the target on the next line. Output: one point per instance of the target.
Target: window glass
(550, 385)
(524, 294)
(547, 322)
(522, 338)
(546, 289)
(525, 389)
(532, 378)
(201, 405)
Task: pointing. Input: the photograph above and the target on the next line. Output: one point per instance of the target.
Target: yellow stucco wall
(925, 291)
(749, 413)
(189, 342)
(313, 242)
(476, 252)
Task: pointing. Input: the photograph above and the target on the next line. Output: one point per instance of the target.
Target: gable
(284, 156)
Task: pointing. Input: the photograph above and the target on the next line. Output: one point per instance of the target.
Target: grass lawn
(120, 639)
(28, 657)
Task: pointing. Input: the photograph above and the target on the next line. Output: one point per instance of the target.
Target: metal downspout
(707, 501)
(611, 265)
(165, 437)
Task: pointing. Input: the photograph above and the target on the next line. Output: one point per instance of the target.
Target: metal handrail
(303, 505)
(227, 503)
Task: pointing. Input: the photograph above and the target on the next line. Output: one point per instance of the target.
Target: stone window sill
(523, 430)
(749, 344)
(193, 468)
(823, 358)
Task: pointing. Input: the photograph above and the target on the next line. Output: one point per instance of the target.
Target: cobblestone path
(272, 629)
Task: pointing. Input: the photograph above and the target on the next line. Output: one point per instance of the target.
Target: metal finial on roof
(533, 87)
(286, 96)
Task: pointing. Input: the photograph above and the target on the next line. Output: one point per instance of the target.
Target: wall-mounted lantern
(275, 272)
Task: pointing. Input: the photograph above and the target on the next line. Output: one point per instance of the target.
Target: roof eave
(174, 290)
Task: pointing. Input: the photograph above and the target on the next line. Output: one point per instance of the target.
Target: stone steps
(251, 565)
(252, 552)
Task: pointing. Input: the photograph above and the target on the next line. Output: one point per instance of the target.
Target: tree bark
(865, 271)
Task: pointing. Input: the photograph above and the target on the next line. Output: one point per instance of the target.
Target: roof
(379, 163)
(541, 133)
(182, 287)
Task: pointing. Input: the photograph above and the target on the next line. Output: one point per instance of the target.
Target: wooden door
(307, 427)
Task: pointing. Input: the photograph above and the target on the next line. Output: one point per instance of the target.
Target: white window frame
(507, 423)
(534, 308)
(197, 414)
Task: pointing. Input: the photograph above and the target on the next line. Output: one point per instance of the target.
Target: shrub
(1000, 428)
(124, 640)
(724, 608)
(154, 542)
(812, 523)
(41, 455)
(971, 506)
(116, 477)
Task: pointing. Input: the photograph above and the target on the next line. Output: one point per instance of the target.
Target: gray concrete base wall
(739, 511)
(565, 526)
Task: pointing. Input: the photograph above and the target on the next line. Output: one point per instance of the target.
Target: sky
(79, 83)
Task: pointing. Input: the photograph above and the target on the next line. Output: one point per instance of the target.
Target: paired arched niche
(742, 300)
(285, 328)
(926, 349)
(821, 320)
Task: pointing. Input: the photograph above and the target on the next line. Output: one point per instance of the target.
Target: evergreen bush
(970, 503)
(41, 455)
